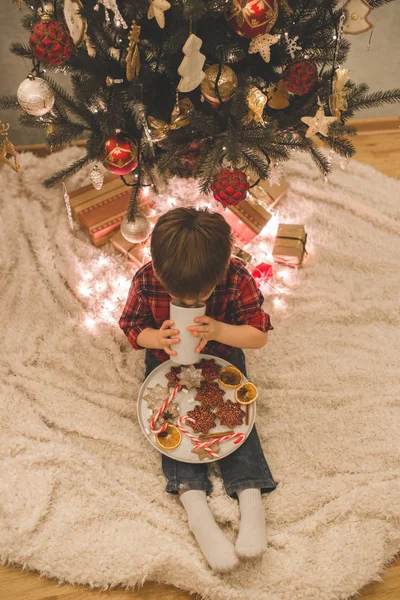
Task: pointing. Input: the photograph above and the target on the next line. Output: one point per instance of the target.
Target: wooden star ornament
(156, 10)
(319, 123)
(262, 44)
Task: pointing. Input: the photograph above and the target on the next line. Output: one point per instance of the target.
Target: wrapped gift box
(250, 216)
(290, 244)
(100, 212)
(132, 251)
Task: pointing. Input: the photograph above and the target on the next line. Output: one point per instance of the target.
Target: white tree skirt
(81, 491)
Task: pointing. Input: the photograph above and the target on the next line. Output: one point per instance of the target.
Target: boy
(191, 261)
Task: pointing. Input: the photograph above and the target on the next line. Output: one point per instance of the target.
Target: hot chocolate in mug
(183, 316)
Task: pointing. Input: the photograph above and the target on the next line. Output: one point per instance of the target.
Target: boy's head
(191, 250)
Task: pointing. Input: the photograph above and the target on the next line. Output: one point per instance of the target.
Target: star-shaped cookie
(203, 418)
(203, 453)
(169, 415)
(230, 414)
(209, 368)
(156, 396)
(210, 395)
(190, 377)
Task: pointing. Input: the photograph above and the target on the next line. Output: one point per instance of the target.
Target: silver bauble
(35, 96)
(136, 231)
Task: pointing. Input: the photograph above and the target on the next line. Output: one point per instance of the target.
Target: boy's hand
(207, 329)
(164, 337)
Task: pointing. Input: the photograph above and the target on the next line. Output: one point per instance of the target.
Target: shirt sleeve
(247, 308)
(137, 313)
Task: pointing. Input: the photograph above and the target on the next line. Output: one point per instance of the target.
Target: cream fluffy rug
(82, 493)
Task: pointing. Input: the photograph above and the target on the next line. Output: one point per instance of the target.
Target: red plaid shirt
(235, 300)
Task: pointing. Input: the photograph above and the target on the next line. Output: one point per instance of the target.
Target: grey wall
(380, 67)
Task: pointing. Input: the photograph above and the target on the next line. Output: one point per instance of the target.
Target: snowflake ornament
(112, 5)
(291, 44)
(156, 10)
(262, 44)
(190, 377)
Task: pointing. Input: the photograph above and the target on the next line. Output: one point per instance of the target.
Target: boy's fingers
(166, 324)
(204, 319)
(201, 346)
(174, 341)
(169, 351)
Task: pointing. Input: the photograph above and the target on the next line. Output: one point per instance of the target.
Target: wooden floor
(381, 150)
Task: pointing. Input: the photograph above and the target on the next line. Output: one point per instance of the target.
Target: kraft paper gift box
(132, 251)
(250, 216)
(290, 244)
(100, 212)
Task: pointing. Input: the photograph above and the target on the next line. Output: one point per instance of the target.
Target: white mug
(183, 316)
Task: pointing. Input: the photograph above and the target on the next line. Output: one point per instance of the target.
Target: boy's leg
(180, 476)
(192, 483)
(246, 475)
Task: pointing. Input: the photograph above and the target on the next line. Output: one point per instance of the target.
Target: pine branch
(340, 144)
(20, 50)
(256, 160)
(9, 102)
(71, 170)
(211, 165)
(375, 99)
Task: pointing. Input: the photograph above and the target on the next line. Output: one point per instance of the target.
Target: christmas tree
(222, 90)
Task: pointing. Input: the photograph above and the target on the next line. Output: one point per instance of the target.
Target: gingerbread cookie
(209, 368)
(210, 395)
(169, 415)
(230, 414)
(203, 418)
(190, 377)
(172, 376)
(156, 396)
(202, 453)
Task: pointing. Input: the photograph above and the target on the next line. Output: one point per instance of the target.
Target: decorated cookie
(172, 376)
(156, 396)
(169, 415)
(210, 395)
(203, 453)
(203, 418)
(230, 414)
(190, 377)
(209, 368)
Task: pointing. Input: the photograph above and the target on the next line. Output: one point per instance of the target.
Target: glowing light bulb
(84, 289)
(278, 302)
(90, 323)
(171, 201)
(100, 286)
(103, 261)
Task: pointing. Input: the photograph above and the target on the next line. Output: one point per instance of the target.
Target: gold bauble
(227, 83)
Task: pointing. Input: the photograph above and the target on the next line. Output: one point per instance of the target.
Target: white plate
(186, 402)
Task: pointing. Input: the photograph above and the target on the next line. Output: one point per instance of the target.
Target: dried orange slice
(230, 377)
(170, 439)
(246, 393)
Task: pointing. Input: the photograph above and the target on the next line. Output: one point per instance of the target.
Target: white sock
(217, 549)
(252, 538)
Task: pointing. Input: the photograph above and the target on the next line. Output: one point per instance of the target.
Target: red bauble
(50, 42)
(230, 187)
(263, 272)
(250, 18)
(121, 155)
(300, 76)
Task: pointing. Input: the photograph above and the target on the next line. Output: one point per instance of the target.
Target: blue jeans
(244, 468)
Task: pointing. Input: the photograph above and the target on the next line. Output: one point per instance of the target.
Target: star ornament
(262, 44)
(319, 123)
(156, 10)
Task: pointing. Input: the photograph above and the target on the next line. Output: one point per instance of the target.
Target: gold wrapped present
(290, 244)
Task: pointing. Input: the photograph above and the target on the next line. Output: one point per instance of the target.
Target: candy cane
(160, 412)
(238, 437)
(190, 435)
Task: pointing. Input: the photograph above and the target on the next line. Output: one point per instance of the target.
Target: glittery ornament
(337, 100)
(227, 84)
(262, 44)
(190, 377)
(250, 18)
(68, 206)
(256, 101)
(8, 153)
(97, 177)
(300, 76)
(133, 57)
(50, 41)
(121, 155)
(291, 45)
(230, 186)
(35, 96)
(136, 231)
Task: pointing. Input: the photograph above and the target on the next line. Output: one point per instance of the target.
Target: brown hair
(191, 250)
